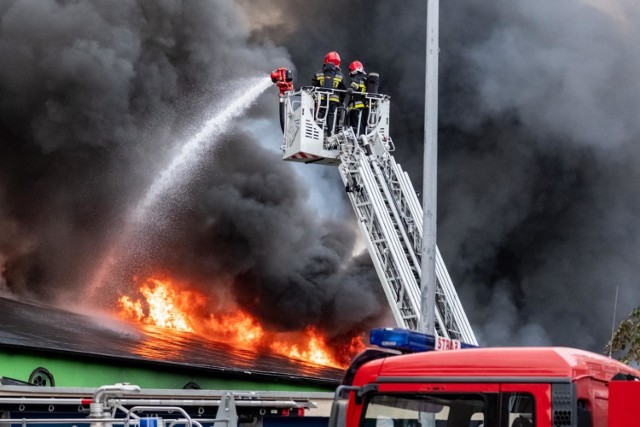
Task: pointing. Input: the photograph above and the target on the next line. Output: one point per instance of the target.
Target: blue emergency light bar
(411, 342)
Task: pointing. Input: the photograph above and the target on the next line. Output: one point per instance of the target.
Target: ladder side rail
(380, 146)
(452, 296)
(414, 263)
(405, 297)
(394, 173)
(411, 305)
(368, 224)
(452, 306)
(449, 305)
(413, 205)
(394, 193)
(443, 317)
(461, 324)
(404, 208)
(449, 319)
(412, 197)
(380, 151)
(444, 279)
(440, 326)
(387, 288)
(445, 283)
(394, 203)
(386, 221)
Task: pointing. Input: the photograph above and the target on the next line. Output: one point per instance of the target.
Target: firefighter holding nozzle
(329, 77)
(283, 79)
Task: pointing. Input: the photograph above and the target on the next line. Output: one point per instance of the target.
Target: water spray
(176, 173)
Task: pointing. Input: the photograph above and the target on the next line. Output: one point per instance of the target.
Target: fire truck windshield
(449, 409)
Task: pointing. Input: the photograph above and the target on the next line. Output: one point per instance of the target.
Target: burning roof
(32, 329)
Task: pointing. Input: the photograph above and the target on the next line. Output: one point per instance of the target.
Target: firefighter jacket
(359, 86)
(330, 77)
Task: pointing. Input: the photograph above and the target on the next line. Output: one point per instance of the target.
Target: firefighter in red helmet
(330, 77)
(358, 109)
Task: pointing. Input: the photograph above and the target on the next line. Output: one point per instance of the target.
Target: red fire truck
(488, 387)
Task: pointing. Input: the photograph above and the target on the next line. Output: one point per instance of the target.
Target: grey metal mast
(430, 173)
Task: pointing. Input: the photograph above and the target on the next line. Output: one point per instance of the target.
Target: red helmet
(332, 57)
(356, 66)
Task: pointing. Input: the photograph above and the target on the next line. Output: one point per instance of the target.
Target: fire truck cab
(488, 387)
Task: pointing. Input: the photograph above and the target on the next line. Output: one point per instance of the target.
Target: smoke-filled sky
(537, 205)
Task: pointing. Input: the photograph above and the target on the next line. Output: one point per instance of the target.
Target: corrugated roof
(37, 328)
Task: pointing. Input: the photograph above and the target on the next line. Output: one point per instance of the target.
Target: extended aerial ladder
(386, 205)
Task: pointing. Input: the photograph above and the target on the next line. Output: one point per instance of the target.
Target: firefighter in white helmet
(330, 77)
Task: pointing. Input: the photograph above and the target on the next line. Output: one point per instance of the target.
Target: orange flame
(314, 352)
(164, 304)
(238, 327)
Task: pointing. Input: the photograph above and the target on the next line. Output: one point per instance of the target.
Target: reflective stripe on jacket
(359, 86)
(330, 77)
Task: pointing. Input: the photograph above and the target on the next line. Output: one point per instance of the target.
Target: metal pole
(430, 174)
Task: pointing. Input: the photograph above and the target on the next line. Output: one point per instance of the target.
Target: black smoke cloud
(537, 164)
(252, 233)
(538, 157)
(96, 97)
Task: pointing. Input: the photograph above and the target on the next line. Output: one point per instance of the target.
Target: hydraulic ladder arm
(390, 217)
(387, 207)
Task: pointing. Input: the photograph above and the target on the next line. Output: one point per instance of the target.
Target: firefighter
(358, 109)
(330, 77)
